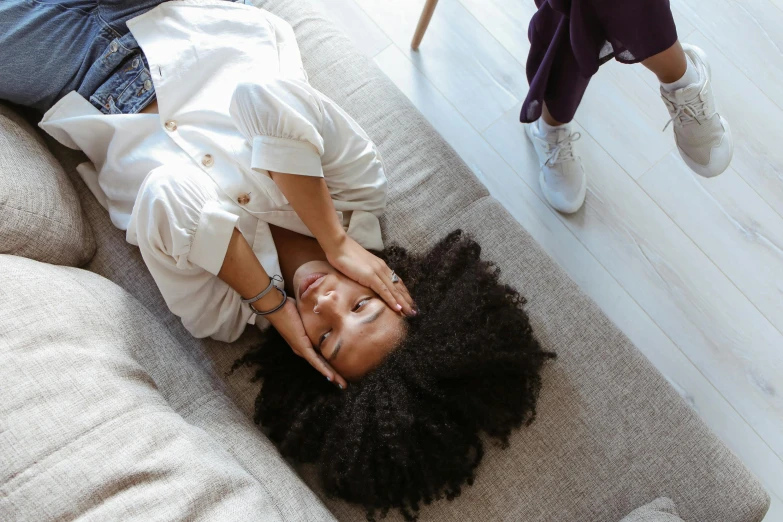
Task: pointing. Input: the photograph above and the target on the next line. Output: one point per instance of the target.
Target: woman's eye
(323, 338)
(360, 304)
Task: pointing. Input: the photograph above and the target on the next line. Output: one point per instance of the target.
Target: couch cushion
(659, 510)
(104, 415)
(40, 215)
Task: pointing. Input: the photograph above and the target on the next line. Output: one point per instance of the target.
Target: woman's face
(347, 323)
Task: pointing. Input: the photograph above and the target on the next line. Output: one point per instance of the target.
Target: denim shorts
(49, 48)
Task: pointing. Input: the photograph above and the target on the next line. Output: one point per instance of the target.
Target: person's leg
(644, 31)
(45, 48)
(116, 13)
(669, 65)
(549, 119)
(562, 176)
(48, 49)
(556, 88)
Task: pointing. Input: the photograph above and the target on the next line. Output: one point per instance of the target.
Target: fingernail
(340, 385)
(414, 313)
(399, 307)
(329, 378)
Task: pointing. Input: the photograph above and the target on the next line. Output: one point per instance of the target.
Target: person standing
(569, 40)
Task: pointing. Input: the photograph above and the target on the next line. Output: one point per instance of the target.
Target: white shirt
(199, 53)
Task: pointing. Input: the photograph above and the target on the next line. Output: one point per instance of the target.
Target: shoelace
(562, 151)
(687, 112)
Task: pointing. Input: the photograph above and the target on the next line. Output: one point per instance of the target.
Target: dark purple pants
(570, 39)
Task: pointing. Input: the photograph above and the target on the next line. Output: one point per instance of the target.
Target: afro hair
(408, 432)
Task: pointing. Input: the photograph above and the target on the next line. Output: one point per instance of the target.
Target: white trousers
(182, 225)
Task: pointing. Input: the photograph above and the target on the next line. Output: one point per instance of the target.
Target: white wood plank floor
(691, 269)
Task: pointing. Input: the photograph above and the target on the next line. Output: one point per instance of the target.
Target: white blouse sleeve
(295, 129)
(282, 120)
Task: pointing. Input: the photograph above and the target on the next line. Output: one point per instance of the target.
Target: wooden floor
(690, 268)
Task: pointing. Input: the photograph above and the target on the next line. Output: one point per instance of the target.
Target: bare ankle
(548, 119)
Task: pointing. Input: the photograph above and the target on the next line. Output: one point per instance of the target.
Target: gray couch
(109, 410)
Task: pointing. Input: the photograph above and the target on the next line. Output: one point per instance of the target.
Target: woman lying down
(254, 199)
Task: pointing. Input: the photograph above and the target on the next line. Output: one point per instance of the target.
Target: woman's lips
(309, 282)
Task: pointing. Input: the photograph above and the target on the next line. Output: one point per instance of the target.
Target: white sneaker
(703, 137)
(562, 177)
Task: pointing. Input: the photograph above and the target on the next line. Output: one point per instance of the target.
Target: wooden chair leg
(424, 21)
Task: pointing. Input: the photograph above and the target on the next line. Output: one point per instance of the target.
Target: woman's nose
(325, 302)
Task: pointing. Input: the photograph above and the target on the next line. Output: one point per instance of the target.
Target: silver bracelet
(276, 308)
(265, 290)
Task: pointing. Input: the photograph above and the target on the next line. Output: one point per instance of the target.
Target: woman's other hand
(353, 260)
(288, 323)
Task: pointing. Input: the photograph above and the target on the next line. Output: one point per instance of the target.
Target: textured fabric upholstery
(105, 415)
(611, 433)
(659, 510)
(40, 215)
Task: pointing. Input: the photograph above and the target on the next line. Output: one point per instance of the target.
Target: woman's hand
(289, 324)
(243, 272)
(313, 204)
(353, 260)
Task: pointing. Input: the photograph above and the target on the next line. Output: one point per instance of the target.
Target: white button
(243, 199)
(147, 85)
(171, 125)
(207, 160)
(135, 63)
(114, 46)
